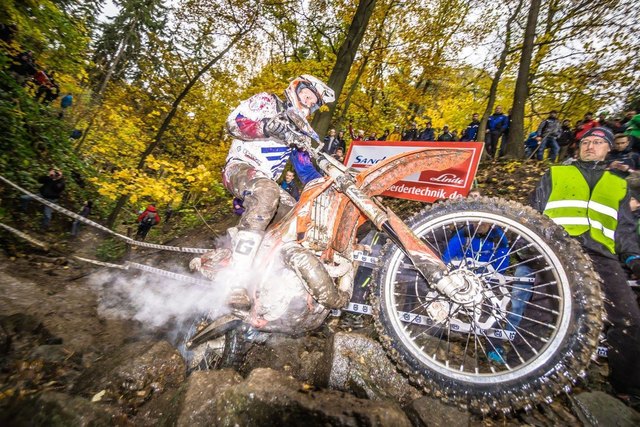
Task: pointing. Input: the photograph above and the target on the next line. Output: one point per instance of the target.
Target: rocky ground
(68, 358)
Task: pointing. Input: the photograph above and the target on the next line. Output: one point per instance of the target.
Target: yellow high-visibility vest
(577, 209)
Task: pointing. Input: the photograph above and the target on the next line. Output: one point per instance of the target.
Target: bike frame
(354, 204)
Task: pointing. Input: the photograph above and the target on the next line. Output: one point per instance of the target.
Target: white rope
(101, 227)
(129, 265)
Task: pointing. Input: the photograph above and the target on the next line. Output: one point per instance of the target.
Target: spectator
(606, 231)
(446, 135)
(238, 207)
(627, 117)
(23, 67)
(530, 145)
(354, 137)
(339, 155)
(373, 136)
(498, 122)
(427, 134)
(585, 125)
(331, 142)
(565, 140)
(85, 212)
(602, 120)
(146, 220)
(622, 160)
(396, 135)
(412, 133)
(384, 136)
(290, 186)
(505, 135)
(65, 103)
(341, 138)
(548, 132)
(52, 187)
(471, 132)
(633, 130)
(168, 214)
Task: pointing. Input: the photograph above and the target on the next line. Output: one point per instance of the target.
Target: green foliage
(111, 249)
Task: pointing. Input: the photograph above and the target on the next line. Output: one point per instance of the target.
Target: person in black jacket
(52, 187)
(427, 134)
(411, 134)
(332, 142)
(609, 238)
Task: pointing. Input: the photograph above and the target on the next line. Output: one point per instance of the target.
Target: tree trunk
(122, 200)
(515, 146)
(105, 82)
(502, 64)
(344, 60)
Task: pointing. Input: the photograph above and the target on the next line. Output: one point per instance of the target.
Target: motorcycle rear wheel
(444, 346)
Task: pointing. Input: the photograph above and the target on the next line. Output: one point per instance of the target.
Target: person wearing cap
(592, 205)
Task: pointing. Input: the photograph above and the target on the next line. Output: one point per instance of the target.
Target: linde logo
(362, 160)
(447, 178)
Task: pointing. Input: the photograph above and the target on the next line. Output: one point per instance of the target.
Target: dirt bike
(438, 321)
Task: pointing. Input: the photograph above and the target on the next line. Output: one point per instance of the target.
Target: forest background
(153, 84)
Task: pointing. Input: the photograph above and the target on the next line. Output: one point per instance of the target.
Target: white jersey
(250, 145)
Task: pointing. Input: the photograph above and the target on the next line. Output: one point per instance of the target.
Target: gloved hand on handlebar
(277, 129)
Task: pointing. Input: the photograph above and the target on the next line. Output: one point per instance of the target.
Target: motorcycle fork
(421, 256)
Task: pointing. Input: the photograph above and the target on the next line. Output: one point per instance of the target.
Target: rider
(262, 145)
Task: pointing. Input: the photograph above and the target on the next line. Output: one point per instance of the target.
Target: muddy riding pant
(262, 196)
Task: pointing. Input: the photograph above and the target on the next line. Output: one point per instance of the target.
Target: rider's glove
(276, 129)
(634, 265)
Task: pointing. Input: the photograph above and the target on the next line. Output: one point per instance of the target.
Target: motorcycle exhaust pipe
(314, 276)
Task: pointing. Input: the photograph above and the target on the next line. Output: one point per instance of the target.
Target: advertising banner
(426, 186)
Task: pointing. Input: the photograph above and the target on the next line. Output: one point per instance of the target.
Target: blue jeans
(549, 142)
(47, 211)
(520, 296)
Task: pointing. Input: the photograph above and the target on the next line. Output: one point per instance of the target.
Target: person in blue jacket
(530, 145)
(471, 131)
(489, 245)
(497, 124)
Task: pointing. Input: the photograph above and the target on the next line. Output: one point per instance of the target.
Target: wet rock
(134, 373)
(427, 411)
(202, 390)
(58, 409)
(299, 357)
(268, 397)
(600, 409)
(359, 365)
(162, 410)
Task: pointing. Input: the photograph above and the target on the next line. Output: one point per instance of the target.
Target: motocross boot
(245, 244)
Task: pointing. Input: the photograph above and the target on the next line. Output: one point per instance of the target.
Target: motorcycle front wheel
(523, 330)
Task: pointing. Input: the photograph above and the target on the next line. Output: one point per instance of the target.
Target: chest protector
(572, 205)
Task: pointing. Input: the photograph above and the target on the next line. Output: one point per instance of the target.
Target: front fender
(376, 179)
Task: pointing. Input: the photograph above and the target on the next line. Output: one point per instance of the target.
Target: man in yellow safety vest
(592, 205)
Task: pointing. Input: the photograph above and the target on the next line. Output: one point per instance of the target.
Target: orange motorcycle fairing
(376, 179)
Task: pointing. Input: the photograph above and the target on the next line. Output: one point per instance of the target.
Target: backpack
(149, 219)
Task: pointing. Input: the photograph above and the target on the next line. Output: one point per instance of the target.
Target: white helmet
(323, 93)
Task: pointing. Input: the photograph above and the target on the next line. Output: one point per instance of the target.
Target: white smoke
(156, 301)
